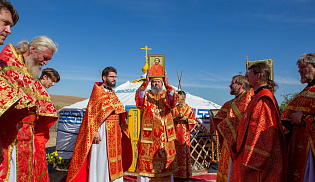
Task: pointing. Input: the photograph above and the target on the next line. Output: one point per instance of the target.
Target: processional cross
(146, 53)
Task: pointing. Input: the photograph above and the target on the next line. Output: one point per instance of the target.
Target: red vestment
(156, 149)
(30, 133)
(260, 151)
(156, 69)
(302, 135)
(102, 107)
(182, 142)
(226, 121)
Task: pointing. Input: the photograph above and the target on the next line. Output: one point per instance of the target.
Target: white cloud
(287, 80)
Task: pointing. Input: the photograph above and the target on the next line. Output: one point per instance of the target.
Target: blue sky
(206, 39)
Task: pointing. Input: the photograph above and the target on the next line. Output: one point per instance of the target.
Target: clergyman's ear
(104, 78)
(33, 48)
(258, 75)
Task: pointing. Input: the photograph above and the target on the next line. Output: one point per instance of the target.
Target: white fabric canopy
(71, 116)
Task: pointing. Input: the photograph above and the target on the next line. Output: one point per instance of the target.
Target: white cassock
(309, 175)
(99, 171)
(13, 166)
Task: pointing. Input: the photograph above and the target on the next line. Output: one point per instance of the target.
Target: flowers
(53, 158)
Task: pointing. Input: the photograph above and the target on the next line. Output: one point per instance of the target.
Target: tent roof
(126, 94)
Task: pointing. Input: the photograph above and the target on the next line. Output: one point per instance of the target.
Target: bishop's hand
(147, 76)
(165, 79)
(97, 138)
(296, 117)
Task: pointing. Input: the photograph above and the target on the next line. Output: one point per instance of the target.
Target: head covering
(157, 78)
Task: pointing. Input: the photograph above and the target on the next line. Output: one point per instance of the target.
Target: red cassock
(26, 121)
(226, 122)
(260, 152)
(302, 135)
(182, 142)
(156, 70)
(102, 107)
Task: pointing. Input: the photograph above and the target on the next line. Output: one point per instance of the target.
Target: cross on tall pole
(146, 53)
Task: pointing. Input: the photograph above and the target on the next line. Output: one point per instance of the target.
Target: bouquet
(53, 158)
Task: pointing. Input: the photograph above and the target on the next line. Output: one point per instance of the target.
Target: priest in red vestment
(9, 93)
(98, 154)
(226, 122)
(156, 152)
(184, 122)
(299, 119)
(260, 151)
(24, 139)
(157, 69)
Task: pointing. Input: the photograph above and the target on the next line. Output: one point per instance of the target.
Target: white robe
(99, 161)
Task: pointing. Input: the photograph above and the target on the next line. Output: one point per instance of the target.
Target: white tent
(71, 116)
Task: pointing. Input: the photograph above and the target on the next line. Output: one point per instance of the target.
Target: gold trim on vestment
(6, 106)
(303, 109)
(45, 114)
(259, 151)
(19, 56)
(17, 69)
(231, 127)
(148, 129)
(307, 93)
(156, 175)
(40, 176)
(251, 167)
(9, 159)
(236, 111)
(224, 141)
(25, 122)
(146, 141)
(31, 154)
(17, 161)
(38, 96)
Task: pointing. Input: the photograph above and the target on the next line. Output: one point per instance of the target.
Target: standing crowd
(257, 143)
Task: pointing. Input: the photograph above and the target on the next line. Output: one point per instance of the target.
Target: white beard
(156, 90)
(32, 66)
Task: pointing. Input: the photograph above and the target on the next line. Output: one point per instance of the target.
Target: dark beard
(233, 92)
(112, 85)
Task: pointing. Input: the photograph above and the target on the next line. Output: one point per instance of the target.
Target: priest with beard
(103, 149)
(156, 153)
(27, 128)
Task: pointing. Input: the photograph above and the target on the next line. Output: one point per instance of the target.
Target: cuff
(168, 87)
(144, 85)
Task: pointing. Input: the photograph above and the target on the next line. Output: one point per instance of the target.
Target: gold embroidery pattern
(259, 151)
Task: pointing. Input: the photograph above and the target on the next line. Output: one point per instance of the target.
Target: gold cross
(146, 52)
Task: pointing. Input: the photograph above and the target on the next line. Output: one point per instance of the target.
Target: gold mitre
(157, 78)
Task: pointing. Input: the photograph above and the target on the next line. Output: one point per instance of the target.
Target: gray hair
(41, 43)
(307, 58)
